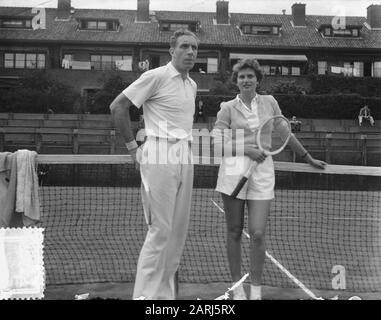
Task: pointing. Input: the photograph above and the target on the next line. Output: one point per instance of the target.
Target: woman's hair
(247, 64)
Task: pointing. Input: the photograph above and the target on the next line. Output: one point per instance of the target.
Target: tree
(37, 93)
(112, 87)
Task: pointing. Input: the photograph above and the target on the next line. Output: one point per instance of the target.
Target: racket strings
(274, 134)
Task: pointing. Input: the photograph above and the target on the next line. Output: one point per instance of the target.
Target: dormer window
(174, 25)
(349, 31)
(16, 23)
(260, 29)
(102, 25)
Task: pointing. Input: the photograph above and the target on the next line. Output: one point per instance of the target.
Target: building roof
(209, 33)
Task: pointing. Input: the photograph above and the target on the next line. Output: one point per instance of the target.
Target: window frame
(349, 32)
(102, 62)
(172, 26)
(110, 25)
(272, 30)
(26, 23)
(23, 63)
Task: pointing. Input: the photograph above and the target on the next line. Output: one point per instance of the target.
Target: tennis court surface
(323, 234)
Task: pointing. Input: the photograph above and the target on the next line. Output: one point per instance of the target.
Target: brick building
(78, 46)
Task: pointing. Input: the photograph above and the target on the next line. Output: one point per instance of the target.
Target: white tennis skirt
(259, 186)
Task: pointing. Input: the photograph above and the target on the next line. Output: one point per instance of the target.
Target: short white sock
(255, 292)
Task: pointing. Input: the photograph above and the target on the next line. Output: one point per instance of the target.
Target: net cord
(279, 165)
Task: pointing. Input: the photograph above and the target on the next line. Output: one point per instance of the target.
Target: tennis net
(320, 223)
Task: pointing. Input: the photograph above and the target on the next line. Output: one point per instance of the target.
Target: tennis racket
(272, 137)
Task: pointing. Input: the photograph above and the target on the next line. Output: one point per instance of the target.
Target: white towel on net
(27, 200)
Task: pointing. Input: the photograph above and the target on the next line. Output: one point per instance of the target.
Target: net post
(112, 141)
(75, 141)
(199, 144)
(292, 175)
(38, 140)
(364, 157)
(327, 153)
(2, 141)
(327, 150)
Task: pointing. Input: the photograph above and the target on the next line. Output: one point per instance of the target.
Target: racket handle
(239, 187)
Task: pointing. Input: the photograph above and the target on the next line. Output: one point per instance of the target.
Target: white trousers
(166, 195)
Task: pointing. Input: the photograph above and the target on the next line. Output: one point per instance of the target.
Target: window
(322, 67)
(31, 61)
(91, 24)
(103, 25)
(25, 23)
(24, 60)
(9, 61)
(111, 62)
(106, 62)
(328, 31)
(40, 61)
(295, 71)
(275, 30)
(342, 32)
(96, 62)
(20, 61)
(377, 69)
(284, 71)
(173, 26)
(260, 29)
(358, 69)
(212, 65)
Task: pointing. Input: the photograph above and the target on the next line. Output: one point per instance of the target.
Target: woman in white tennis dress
(234, 133)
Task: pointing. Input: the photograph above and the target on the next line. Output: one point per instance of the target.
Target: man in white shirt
(168, 98)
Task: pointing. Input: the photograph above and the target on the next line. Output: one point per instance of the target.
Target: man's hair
(247, 64)
(181, 32)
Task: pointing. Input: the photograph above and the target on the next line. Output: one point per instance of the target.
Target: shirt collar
(255, 99)
(173, 71)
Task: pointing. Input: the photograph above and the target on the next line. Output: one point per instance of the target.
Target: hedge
(364, 86)
(340, 106)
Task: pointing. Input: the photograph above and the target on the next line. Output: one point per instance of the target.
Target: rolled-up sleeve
(142, 89)
(276, 108)
(223, 118)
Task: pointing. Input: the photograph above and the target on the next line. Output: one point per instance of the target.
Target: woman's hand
(254, 153)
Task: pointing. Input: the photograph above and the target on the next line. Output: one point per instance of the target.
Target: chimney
(222, 12)
(374, 16)
(142, 14)
(284, 11)
(299, 14)
(63, 9)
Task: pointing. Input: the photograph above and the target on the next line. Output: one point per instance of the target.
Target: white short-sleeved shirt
(251, 114)
(168, 102)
